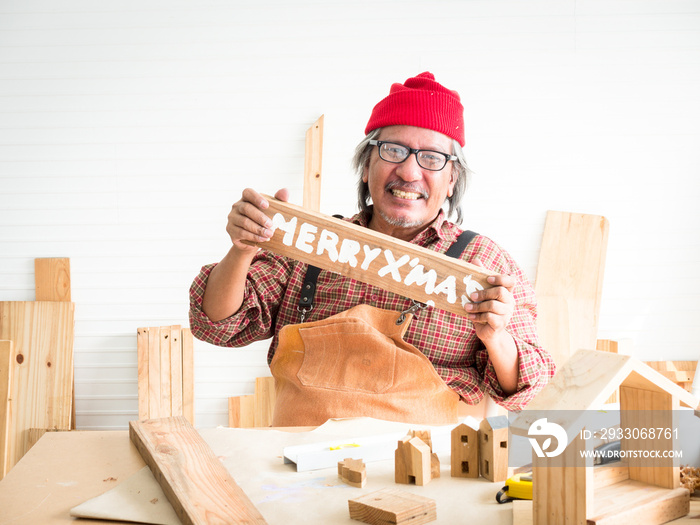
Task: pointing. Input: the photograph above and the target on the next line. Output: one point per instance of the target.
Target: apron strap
(308, 287)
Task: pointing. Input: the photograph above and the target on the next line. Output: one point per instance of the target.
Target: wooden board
(569, 282)
(42, 368)
(264, 399)
(188, 375)
(392, 506)
(5, 381)
(196, 483)
(373, 258)
(312, 166)
(52, 279)
(241, 411)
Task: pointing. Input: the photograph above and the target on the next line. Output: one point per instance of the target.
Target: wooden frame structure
(642, 490)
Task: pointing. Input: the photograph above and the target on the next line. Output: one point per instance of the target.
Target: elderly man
(359, 350)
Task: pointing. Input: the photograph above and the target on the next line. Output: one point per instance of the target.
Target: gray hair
(460, 172)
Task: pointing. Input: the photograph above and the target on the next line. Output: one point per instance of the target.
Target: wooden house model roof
(584, 384)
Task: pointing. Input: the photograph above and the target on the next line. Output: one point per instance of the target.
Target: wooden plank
(165, 386)
(312, 166)
(5, 382)
(373, 258)
(196, 483)
(571, 267)
(241, 411)
(52, 283)
(142, 350)
(52, 279)
(176, 371)
(154, 372)
(187, 375)
(265, 395)
(42, 368)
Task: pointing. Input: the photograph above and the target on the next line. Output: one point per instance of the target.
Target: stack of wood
(36, 362)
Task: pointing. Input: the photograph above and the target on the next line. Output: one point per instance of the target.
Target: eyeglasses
(398, 153)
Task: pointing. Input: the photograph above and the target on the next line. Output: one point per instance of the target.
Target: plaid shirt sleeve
(255, 320)
(536, 366)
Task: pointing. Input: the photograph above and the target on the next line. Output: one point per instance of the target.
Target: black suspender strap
(457, 248)
(308, 287)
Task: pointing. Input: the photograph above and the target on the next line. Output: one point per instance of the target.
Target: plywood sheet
(42, 368)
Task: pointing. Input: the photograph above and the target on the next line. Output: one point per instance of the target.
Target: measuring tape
(517, 487)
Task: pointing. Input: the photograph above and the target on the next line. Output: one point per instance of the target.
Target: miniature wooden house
(414, 459)
(493, 448)
(639, 489)
(465, 451)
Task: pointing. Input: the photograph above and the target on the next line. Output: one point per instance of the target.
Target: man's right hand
(247, 220)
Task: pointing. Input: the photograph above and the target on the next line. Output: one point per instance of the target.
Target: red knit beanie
(421, 102)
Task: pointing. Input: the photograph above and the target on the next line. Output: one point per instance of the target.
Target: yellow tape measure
(517, 487)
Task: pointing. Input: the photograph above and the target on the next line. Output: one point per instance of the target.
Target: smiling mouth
(408, 195)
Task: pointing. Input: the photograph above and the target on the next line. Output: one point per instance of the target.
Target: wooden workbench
(64, 469)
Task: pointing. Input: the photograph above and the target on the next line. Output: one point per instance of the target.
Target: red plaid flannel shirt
(448, 340)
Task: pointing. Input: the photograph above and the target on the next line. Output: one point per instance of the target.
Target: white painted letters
(306, 236)
(328, 241)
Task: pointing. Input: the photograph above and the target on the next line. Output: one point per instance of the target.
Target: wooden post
(312, 166)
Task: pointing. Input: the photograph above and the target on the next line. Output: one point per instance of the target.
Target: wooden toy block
(465, 452)
(414, 460)
(392, 507)
(353, 472)
(493, 448)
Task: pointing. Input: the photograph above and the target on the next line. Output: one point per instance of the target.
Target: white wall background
(127, 130)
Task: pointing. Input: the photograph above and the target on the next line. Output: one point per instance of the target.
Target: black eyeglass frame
(413, 151)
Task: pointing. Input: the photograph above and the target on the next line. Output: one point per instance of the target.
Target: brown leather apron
(353, 364)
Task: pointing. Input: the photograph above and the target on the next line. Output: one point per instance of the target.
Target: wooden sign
(373, 258)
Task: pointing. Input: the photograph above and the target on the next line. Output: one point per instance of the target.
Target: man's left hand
(492, 308)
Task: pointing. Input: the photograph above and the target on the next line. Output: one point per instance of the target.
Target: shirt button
(374, 297)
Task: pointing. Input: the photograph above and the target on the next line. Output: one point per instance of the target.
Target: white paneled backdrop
(127, 130)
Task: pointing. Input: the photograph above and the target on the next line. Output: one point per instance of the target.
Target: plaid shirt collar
(440, 228)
